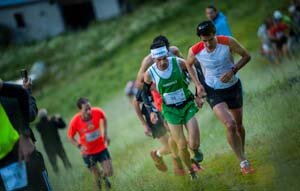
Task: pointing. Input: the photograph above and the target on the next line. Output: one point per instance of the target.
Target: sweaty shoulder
(223, 40)
(147, 62)
(196, 48)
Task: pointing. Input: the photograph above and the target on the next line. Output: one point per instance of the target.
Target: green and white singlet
(178, 105)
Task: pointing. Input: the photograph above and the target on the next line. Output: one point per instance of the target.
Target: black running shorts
(232, 96)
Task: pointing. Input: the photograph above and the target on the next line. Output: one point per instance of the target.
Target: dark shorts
(37, 175)
(158, 130)
(280, 42)
(232, 96)
(92, 159)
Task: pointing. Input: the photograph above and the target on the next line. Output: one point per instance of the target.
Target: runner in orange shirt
(92, 140)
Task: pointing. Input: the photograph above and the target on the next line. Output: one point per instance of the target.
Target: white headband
(159, 52)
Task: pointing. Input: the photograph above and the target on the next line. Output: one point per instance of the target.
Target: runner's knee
(181, 144)
(231, 125)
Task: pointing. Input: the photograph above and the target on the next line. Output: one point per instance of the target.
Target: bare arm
(138, 112)
(239, 49)
(146, 63)
(105, 131)
(245, 58)
(191, 59)
(175, 50)
(74, 142)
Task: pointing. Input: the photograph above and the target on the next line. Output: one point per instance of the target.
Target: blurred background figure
(131, 90)
(219, 20)
(48, 128)
(278, 34)
(266, 48)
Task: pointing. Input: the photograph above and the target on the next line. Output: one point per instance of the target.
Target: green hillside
(98, 62)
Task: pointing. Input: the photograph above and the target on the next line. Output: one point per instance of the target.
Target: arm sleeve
(146, 96)
(16, 91)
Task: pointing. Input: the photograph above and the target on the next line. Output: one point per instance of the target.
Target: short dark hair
(205, 28)
(157, 44)
(163, 39)
(82, 100)
(212, 7)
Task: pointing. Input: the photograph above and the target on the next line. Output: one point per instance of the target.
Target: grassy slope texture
(271, 97)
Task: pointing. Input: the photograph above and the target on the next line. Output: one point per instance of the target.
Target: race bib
(14, 176)
(92, 135)
(175, 97)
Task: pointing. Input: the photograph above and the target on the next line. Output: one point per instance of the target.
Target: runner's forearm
(146, 95)
(139, 112)
(241, 63)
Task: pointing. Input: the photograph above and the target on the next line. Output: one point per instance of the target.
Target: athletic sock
(158, 153)
(244, 163)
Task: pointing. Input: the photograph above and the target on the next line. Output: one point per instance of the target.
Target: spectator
(17, 109)
(48, 128)
(266, 46)
(278, 34)
(219, 20)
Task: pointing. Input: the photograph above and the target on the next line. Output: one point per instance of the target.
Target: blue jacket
(221, 25)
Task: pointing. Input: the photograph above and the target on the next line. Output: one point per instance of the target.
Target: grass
(271, 94)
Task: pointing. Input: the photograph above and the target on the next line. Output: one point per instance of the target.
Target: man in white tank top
(222, 85)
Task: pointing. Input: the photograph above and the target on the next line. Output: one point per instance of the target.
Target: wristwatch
(234, 69)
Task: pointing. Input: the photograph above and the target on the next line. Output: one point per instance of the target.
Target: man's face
(85, 111)
(210, 41)
(210, 13)
(162, 62)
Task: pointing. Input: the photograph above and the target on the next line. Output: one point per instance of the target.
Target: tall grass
(271, 109)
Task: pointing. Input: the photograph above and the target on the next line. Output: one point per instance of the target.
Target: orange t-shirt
(90, 135)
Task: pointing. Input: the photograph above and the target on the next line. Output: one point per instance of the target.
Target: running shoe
(247, 169)
(107, 183)
(159, 163)
(193, 174)
(99, 184)
(196, 166)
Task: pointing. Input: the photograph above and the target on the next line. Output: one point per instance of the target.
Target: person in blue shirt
(219, 20)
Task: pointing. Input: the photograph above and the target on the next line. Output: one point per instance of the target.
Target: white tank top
(215, 63)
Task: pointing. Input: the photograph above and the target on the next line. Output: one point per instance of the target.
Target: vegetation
(98, 62)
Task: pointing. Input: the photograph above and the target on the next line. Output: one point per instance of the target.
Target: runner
(149, 61)
(178, 106)
(158, 130)
(196, 154)
(93, 140)
(222, 85)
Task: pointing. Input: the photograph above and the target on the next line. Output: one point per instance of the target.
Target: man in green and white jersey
(178, 106)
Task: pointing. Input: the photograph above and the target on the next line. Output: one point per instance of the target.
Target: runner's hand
(153, 117)
(227, 76)
(199, 101)
(147, 131)
(199, 90)
(26, 148)
(27, 83)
